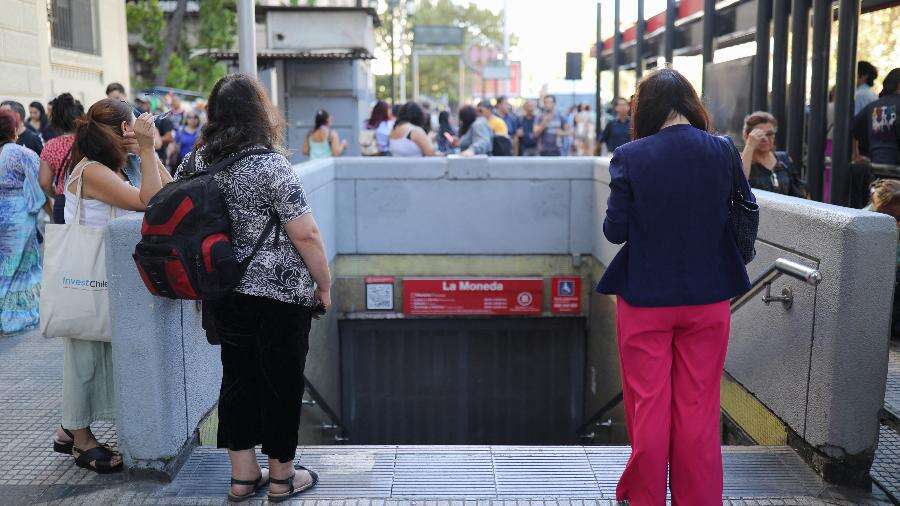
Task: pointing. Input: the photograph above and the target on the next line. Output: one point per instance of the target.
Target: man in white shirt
(865, 79)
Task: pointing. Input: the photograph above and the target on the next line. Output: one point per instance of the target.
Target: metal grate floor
(892, 391)
(886, 467)
(500, 473)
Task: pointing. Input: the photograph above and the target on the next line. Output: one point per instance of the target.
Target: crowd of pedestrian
(494, 128)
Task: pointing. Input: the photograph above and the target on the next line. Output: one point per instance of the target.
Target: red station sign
(472, 296)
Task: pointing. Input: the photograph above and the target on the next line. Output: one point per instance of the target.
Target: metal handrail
(885, 170)
(323, 405)
(781, 267)
(764, 281)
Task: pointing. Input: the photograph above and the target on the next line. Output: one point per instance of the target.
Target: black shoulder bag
(743, 215)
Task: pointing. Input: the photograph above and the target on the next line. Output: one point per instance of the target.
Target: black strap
(274, 221)
(737, 170)
(255, 483)
(225, 162)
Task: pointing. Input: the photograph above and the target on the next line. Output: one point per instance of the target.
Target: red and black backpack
(185, 251)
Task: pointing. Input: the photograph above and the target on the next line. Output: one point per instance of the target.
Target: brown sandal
(284, 496)
(257, 484)
(97, 459)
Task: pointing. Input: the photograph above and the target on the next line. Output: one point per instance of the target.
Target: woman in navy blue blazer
(669, 205)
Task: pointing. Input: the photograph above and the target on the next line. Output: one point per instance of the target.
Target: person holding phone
(96, 167)
(764, 167)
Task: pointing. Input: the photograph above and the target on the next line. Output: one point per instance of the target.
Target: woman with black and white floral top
(264, 324)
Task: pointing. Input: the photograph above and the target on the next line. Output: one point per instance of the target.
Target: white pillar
(247, 36)
(505, 44)
(462, 81)
(415, 76)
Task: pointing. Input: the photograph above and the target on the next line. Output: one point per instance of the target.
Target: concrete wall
(30, 69)
(464, 206)
(167, 375)
(821, 365)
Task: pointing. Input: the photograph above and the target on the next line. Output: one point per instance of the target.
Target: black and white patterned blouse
(252, 188)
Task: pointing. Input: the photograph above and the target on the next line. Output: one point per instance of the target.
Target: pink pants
(672, 360)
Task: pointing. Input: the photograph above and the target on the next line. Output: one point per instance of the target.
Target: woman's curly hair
(240, 115)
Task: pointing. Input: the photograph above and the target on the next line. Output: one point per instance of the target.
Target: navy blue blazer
(669, 204)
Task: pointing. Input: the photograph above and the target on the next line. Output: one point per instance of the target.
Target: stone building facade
(52, 46)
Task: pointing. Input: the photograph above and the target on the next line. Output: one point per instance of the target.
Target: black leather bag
(743, 216)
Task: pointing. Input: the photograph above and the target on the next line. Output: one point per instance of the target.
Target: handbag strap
(736, 170)
(80, 187)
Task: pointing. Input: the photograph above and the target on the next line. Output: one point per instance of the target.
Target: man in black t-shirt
(877, 125)
(27, 138)
(166, 136)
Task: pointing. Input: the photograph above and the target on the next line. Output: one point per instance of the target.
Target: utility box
(313, 58)
(320, 28)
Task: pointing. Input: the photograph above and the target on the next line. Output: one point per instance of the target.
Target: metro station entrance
(463, 380)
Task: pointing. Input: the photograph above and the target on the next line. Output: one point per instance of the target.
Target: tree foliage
(215, 27)
(438, 75)
(146, 20)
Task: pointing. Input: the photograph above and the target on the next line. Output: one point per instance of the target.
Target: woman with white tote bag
(97, 190)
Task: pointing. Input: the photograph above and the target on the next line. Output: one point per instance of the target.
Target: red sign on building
(472, 296)
(566, 295)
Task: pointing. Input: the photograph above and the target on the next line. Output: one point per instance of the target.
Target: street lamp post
(246, 37)
(392, 7)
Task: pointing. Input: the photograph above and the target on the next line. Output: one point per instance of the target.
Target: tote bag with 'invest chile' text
(75, 294)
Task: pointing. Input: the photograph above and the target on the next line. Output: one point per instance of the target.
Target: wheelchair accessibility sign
(566, 295)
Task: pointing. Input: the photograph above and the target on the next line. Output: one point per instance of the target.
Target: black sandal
(96, 459)
(284, 496)
(257, 484)
(62, 446)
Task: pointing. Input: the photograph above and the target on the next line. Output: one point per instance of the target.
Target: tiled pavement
(30, 473)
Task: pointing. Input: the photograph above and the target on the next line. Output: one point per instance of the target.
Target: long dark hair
(380, 112)
(467, 116)
(411, 113)
(891, 83)
(43, 114)
(662, 93)
(64, 111)
(99, 135)
(239, 115)
(322, 118)
(444, 121)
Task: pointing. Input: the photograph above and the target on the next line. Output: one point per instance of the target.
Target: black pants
(264, 345)
(59, 209)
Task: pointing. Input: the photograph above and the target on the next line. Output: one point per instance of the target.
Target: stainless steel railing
(781, 267)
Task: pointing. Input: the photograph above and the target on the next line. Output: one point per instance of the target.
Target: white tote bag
(74, 293)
